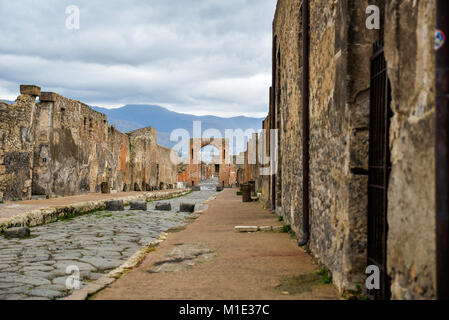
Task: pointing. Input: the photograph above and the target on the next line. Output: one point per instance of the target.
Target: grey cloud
(199, 56)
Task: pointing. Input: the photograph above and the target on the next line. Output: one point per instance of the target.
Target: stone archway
(224, 163)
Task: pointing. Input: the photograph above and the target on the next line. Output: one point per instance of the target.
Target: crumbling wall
(144, 157)
(119, 160)
(61, 147)
(264, 165)
(16, 144)
(70, 155)
(167, 168)
(409, 50)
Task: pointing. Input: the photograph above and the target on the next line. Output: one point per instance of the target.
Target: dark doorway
(379, 169)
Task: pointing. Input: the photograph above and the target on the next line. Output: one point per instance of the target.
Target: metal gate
(379, 169)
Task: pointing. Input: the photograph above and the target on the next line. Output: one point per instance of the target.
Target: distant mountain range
(132, 117)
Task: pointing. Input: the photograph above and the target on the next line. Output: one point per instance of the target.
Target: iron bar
(305, 123)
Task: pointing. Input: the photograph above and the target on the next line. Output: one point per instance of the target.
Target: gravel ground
(35, 268)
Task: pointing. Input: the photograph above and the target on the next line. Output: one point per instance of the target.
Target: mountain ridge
(136, 116)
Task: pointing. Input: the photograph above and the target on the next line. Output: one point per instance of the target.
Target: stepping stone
(115, 205)
(187, 207)
(139, 205)
(19, 233)
(163, 207)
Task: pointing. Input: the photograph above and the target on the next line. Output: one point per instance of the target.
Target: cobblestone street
(35, 268)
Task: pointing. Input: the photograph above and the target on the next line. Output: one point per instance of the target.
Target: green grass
(286, 228)
(298, 284)
(326, 277)
(68, 217)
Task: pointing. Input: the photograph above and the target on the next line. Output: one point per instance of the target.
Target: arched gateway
(223, 166)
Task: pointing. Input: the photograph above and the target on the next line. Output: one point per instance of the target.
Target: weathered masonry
(355, 113)
(60, 147)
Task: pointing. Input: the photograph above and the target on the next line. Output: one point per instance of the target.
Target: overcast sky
(192, 56)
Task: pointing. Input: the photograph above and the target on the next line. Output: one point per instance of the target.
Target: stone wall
(411, 208)
(70, 154)
(287, 101)
(144, 168)
(16, 144)
(61, 147)
(119, 157)
(167, 169)
(340, 54)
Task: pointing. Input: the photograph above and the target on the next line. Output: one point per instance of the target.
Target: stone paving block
(13, 297)
(101, 263)
(95, 243)
(45, 293)
(21, 279)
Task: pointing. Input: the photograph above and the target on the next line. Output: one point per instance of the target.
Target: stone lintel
(30, 90)
(48, 97)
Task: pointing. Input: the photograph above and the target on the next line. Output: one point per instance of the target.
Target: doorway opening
(379, 169)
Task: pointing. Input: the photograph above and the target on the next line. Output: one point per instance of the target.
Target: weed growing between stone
(326, 277)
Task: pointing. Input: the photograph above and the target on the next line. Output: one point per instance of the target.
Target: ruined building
(60, 147)
(223, 166)
(355, 111)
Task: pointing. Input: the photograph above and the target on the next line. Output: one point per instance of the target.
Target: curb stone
(42, 216)
(112, 276)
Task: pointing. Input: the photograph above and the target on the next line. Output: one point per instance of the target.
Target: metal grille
(379, 169)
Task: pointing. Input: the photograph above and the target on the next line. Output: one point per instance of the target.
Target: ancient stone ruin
(54, 146)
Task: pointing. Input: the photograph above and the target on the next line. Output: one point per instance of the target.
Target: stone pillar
(30, 90)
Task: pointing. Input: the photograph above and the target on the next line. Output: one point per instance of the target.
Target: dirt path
(209, 260)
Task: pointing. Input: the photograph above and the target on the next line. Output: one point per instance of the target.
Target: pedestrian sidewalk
(209, 260)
